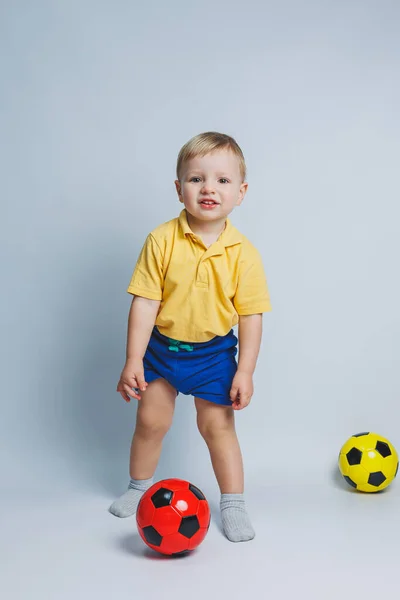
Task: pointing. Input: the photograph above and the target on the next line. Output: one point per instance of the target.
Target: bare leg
(154, 417)
(216, 424)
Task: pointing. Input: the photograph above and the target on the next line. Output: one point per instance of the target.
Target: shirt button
(202, 275)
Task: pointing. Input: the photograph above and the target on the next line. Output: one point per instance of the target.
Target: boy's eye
(222, 179)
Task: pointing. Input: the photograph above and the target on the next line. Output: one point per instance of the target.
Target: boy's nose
(206, 188)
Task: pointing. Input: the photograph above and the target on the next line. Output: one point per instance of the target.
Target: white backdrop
(96, 100)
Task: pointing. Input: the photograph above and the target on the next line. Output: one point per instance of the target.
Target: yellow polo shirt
(202, 290)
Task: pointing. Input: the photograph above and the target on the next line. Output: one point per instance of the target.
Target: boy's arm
(250, 331)
(142, 316)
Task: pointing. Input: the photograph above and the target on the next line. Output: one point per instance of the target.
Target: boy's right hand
(132, 376)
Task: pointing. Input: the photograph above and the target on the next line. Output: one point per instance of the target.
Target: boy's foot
(235, 520)
(126, 505)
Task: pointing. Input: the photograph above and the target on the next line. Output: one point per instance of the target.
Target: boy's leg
(216, 424)
(154, 417)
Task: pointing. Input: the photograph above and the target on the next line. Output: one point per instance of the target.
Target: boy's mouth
(208, 205)
(208, 202)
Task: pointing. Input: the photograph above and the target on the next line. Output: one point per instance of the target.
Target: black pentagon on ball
(397, 468)
(198, 493)
(376, 479)
(189, 526)
(350, 481)
(360, 434)
(354, 456)
(152, 535)
(162, 497)
(383, 449)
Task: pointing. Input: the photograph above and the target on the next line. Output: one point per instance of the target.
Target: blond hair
(207, 142)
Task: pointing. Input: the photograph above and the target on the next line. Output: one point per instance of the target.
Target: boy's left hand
(242, 390)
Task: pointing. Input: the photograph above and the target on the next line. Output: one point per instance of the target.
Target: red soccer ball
(173, 516)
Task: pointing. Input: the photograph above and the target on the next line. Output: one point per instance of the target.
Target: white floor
(313, 542)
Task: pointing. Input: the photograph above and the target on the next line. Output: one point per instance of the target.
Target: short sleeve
(252, 295)
(147, 278)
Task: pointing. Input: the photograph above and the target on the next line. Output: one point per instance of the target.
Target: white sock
(126, 505)
(235, 520)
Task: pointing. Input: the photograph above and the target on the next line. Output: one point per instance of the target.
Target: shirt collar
(229, 237)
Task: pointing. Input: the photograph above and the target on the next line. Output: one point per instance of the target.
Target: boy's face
(211, 186)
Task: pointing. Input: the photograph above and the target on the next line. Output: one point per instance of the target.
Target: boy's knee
(214, 426)
(150, 423)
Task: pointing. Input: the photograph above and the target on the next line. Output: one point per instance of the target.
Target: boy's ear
(178, 190)
(242, 193)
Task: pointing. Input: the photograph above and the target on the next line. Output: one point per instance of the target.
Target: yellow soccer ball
(368, 462)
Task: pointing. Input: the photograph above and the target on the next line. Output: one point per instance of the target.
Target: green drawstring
(187, 347)
(176, 346)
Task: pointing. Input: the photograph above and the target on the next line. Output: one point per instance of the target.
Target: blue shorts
(202, 369)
